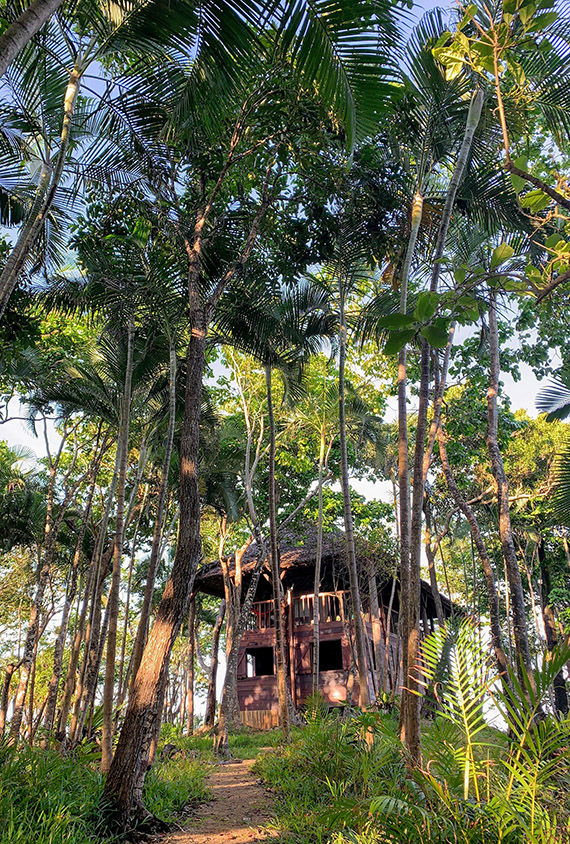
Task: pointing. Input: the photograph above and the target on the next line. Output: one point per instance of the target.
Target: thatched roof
(297, 557)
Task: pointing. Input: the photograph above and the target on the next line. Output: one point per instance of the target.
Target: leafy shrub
(49, 799)
(345, 781)
(174, 784)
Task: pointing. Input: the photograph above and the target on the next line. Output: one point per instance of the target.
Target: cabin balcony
(333, 608)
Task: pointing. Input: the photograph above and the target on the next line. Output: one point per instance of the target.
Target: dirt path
(237, 814)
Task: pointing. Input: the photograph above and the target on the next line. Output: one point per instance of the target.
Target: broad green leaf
(526, 12)
(437, 333)
(535, 200)
(521, 163)
(397, 340)
(396, 321)
(552, 241)
(501, 254)
(459, 274)
(542, 22)
(426, 306)
(481, 48)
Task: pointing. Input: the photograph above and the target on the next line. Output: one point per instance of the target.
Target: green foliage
(50, 799)
(47, 799)
(175, 785)
(344, 779)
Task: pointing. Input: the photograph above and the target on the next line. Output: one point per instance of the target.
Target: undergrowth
(49, 799)
(344, 779)
(244, 744)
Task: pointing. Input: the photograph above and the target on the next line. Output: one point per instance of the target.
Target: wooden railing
(332, 607)
(262, 616)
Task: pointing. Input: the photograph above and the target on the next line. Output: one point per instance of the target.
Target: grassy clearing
(47, 799)
(334, 787)
(244, 744)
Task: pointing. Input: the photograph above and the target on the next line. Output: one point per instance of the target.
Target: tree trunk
(359, 636)
(51, 702)
(87, 686)
(492, 595)
(190, 681)
(93, 591)
(47, 186)
(430, 554)
(21, 31)
(8, 673)
(229, 706)
(210, 715)
(123, 786)
(411, 698)
(318, 558)
(43, 572)
(560, 691)
(275, 569)
(376, 632)
(403, 467)
(142, 629)
(498, 469)
(122, 464)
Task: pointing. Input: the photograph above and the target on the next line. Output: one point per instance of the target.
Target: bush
(477, 785)
(49, 799)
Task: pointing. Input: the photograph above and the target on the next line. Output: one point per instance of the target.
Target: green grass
(174, 785)
(334, 787)
(244, 744)
(49, 799)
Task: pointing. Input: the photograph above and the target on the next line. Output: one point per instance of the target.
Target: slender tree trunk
(318, 559)
(123, 681)
(51, 702)
(376, 631)
(360, 641)
(210, 714)
(403, 467)
(4, 698)
(123, 786)
(43, 573)
(229, 706)
(275, 569)
(110, 660)
(142, 629)
(411, 698)
(93, 593)
(387, 644)
(560, 690)
(492, 594)
(87, 686)
(47, 186)
(430, 554)
(21, 31)
(498, 469)
(191, 657)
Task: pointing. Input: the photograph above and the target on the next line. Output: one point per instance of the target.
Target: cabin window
(259, 662)
(330, 655)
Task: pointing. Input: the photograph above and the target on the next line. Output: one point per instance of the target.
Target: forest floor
(238, 811)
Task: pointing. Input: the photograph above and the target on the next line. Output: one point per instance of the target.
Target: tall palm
(281, 328)
(338, 44)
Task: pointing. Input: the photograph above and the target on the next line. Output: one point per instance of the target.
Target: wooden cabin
(338, 683)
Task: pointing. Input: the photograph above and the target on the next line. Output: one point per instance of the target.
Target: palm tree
(340, 79)
(281, 328)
